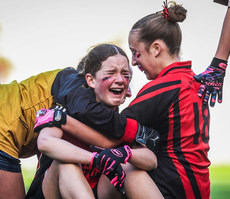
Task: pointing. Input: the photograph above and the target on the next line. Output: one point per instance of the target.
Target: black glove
(117, 178)
(148, 137)
(97, 167)
(212, 80)
(109, 159)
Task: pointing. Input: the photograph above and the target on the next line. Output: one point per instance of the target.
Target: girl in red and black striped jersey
(169, 104)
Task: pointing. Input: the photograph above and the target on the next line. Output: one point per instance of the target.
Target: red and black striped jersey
(170, 104)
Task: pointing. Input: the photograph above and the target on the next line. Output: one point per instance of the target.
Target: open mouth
(116, 91)
(140, 68)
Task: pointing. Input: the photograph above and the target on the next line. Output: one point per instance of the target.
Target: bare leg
(50, 185)
(139, 185)
(75, 185)
(66, 181)
(11, 185)
(105, 190)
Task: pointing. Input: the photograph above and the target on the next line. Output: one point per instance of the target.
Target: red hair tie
(165, 11)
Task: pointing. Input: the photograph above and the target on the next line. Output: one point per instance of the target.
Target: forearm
(223, 49)
(143, 158)
(50, 143)
(87, 134)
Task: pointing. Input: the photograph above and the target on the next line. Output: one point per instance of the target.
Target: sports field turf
(219, 175)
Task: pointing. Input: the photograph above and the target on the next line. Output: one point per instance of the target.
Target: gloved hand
(90, 170)
(115, 175)
(109, 159)
(55, 116)
(212, 81)
(148, 137)
(117, 178)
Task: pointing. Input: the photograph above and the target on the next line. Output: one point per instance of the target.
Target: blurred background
(37, 36)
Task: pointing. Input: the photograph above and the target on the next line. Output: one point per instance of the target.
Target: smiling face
(145, 60)
(111, 81)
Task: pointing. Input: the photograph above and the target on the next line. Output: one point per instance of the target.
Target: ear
(156, 47)
(90, 80)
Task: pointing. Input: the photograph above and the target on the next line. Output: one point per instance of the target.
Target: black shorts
(9, 163)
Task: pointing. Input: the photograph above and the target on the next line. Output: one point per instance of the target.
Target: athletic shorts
(9, 163)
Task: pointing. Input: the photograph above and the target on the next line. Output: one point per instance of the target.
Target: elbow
(153, 164)
(151, 167)
(43, 144)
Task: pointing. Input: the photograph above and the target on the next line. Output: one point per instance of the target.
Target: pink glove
(54, 117)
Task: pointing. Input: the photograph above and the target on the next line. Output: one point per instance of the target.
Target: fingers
(120, 180)
(206, 97)
(107, 164)
(219, 93)
(117, 179)
(213, 98)
(201, 90)
(198, 78)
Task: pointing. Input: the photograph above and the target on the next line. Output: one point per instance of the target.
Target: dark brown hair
(92, 62)
(157, 26)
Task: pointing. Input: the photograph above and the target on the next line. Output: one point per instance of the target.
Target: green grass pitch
(219, 175)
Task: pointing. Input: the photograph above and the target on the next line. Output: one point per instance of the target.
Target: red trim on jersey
(183, 176)
(130, 131)
(174, 66)
(152, 94)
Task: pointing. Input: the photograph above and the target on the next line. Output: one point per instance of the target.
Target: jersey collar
(176, 67)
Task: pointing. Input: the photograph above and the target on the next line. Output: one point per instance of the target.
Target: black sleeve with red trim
(71, 90)
(223, 2)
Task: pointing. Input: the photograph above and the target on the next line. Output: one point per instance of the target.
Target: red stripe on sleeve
(130, 131)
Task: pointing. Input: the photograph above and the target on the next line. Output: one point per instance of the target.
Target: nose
(120, 78)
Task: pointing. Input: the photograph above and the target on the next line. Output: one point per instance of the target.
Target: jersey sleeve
(223, 2)
(71, 90)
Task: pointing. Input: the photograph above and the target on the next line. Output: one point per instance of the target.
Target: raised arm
(212, 78)
(223, 49)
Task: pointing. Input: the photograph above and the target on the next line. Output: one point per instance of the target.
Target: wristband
(219, 63)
